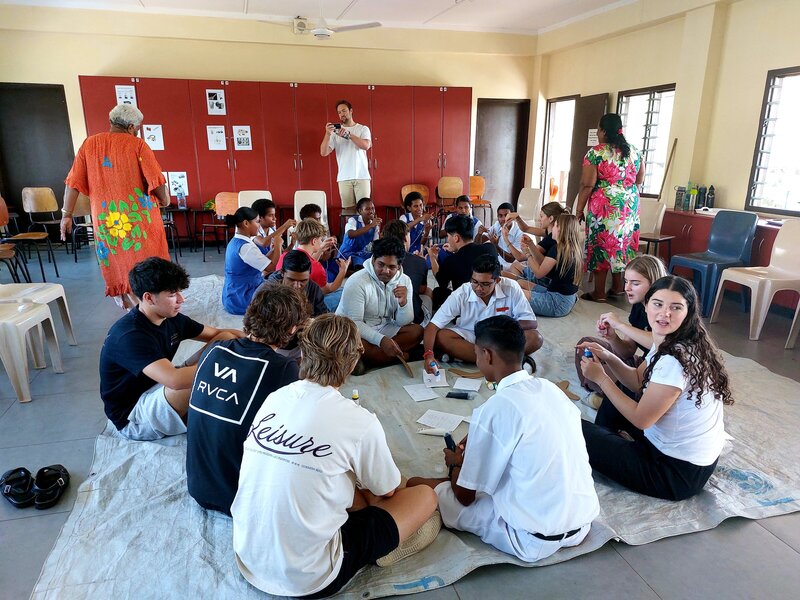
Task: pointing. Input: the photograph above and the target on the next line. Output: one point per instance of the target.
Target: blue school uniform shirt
(359, 244)
(417, 232)
(241, 279)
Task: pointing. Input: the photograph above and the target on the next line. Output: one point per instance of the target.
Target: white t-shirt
(526, 450)
(686, 432)
(514, 236)
(306, 449)
(357, 222)
(251, 254)
(351, 159)
(477, 224)
(466, 308)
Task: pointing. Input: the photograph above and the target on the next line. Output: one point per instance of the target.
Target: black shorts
(367, 535)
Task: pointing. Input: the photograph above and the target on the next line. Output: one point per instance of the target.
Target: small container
(701, 196)
(710, 197)
(587, 353)
(680, 192)
(355, 397)
(181, 201)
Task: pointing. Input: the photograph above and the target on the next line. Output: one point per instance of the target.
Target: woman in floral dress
(612, 172)
(119, 172)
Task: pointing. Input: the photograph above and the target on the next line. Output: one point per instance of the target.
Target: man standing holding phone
(351, 141)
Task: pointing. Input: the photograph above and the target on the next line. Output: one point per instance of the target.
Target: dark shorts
(367, 535)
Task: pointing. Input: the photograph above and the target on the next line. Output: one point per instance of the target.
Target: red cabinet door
(312, 115)
(244, 110)
(361, 99)
(280, 136)
(392, 142)
(99, 97)
(427, 137)
(456, 129)
(165, 102)
(214, 166)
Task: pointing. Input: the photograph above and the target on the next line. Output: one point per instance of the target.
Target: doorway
(559, 121)
(501, 140)
(35, 141)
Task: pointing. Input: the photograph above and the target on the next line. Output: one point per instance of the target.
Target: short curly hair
(308, 229)
(274, 312)
(331, 346)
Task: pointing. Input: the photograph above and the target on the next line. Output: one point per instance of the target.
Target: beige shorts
(353, 190)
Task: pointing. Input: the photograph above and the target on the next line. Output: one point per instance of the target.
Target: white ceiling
(509, 16)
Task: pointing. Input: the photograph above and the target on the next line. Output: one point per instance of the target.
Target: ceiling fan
(319, 28)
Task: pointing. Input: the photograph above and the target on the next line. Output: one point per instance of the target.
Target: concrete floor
(738, 559)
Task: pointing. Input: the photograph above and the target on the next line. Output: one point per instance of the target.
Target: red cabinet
(245, 116)
(99, 97)
(456, 129)
(277, 108)
(392, 142)
(312, 113)
(213, 165)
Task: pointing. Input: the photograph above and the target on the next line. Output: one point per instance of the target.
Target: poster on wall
(126, 94)
(178, 183)
(154, 136)
(216, 137)
(216, 102)
(592, 140)
(241, 137)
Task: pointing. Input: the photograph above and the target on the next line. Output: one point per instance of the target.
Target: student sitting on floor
(266, 224)
(313, 240)
(419, 222)
(301, 527)
(456, 270)
(295, 272)
(360, 232)
(668, 442)
(245, 264)
(504, 234)
(547, 217)
(463, 206)
(233, 379)
(378, 299)
(521, 479)
(486, 295)
(144, 395)
(413, 265)
(558, 274)
(640, 274)
(307, 211)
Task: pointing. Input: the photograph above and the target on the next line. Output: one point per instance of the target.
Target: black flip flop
(588, 296)
(16, 486)
(49, 485)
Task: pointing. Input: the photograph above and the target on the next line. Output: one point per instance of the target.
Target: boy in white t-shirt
(301, 527)
(521, 479)
(503, 245)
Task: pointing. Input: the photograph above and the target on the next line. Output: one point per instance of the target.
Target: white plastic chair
(782, 273)
(318, 197)
(247, 197)
(529, 202)
(40, 293)
(16, 321)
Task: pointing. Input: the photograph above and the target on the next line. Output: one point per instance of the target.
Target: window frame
(748, 203)
(665, 87)
(546, 138)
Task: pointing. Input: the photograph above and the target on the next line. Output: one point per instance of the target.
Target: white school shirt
(476, 222)
(251, 254)
(306, 448)
(514, 236)
(351, 159)
(357, 222)
(526, 450)
(466, 308)
(685, 432)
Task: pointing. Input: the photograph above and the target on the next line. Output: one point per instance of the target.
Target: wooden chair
(225, 203)
(40, 200)
(32, 237)
(82, 211)
(477, 188)
(416, 187)
(447, 190)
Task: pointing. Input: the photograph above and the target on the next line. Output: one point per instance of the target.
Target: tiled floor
(738, 559)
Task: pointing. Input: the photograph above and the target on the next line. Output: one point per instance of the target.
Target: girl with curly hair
(670, 440)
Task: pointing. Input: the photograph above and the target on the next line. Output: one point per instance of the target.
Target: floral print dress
(612, 221)
(118, 172)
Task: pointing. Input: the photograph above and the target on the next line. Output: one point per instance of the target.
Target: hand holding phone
(448, 440)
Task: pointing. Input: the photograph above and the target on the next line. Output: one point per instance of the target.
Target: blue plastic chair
(729, 245)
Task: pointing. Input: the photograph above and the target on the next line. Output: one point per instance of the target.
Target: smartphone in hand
(448, 440)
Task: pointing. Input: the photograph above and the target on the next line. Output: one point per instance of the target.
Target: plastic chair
(729, 245)
(247, 197)
(651, 215)
(37, 200)
(318, 197)
(83, 211)
(16, 323)
(225, 203)
(782, 273)
(529, 203)
(477, 188)
(40, 293)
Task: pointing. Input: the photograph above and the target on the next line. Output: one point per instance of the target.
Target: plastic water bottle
(710, 197)
(181, 201)
(434, 367)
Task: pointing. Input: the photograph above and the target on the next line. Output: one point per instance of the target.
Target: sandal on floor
(16, 486)
(49, 485)
(588, 296)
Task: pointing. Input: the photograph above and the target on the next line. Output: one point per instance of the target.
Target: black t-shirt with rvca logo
(132, 343)
(233, 379)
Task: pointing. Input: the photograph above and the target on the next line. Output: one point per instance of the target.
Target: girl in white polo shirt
(673, 436)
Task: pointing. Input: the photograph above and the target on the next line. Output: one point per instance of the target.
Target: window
(646, 116)
(775, 176)
(557, 148)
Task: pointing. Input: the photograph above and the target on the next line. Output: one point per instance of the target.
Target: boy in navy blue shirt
(144, 394)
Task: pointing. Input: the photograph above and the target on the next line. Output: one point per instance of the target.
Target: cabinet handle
(295, 163)
(375, 164)
(235, 165)
(683, 230)
(689, 231)
(301, 163)
(445, 156)
(229, 163)
(439, 161)
(760, 244)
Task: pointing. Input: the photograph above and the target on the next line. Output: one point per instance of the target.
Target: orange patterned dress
(118, 172)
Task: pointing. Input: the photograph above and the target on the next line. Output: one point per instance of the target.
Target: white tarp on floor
(135, 533)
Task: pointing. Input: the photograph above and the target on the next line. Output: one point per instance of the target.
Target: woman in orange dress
(119, 172)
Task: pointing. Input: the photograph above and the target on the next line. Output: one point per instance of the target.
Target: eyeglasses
(484, 285)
